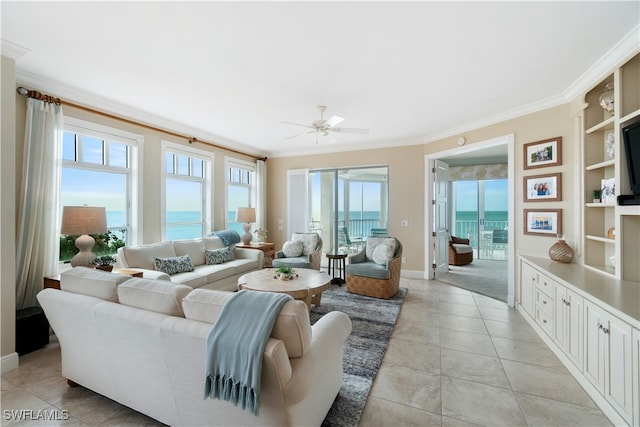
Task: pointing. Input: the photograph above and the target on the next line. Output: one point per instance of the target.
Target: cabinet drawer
(545, 285)
(545, 320)
(544, 301)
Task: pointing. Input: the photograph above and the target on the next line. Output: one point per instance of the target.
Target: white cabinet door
(560, 312)
(528, 280)
(619, 368)
(574, 331)
(607, 358)
(568, 331)
(594, 345)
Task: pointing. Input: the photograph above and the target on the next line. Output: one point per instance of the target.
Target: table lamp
(246, 215)
(83, 220)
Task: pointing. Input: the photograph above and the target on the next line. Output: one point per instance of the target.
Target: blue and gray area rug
(372, 321)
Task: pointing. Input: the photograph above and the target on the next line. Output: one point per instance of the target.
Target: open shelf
(617, 257)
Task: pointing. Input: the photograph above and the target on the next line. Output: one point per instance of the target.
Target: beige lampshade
(246, 215)
(79, 220)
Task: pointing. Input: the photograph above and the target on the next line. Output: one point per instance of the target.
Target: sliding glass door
(480, 214)
(346, 204)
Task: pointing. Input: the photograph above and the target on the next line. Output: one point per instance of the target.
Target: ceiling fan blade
(298, 124)
(333, 120)
(300, 134)
(351, 130)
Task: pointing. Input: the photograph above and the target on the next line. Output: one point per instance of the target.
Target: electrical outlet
(404, 259)
(404, 223)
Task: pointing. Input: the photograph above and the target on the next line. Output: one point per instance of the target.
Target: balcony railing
(485, 247)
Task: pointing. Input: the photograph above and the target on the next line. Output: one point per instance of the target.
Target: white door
(440, 223)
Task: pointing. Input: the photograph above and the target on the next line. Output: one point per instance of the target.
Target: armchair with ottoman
(375, 270)
(460, 251)
(304, 250)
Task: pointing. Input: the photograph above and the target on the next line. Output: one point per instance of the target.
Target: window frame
(251, 167)
(132, 171)
(208, 159)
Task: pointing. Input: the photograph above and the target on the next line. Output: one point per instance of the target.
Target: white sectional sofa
(141, 342)
(222, 276)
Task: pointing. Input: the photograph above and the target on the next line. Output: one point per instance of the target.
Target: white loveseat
(222, 276)
(141, 342)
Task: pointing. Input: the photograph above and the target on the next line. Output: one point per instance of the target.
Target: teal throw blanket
(235, 346)
(228, 237)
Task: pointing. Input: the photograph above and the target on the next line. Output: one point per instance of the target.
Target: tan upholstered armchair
(376, 272)
(304, 250)
(460, 251)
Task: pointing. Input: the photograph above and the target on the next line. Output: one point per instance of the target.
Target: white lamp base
(85, 257)
(246, 237)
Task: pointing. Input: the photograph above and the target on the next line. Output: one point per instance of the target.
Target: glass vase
(606, 99)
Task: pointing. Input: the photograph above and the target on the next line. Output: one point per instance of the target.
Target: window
(187, 192)
(99, 168)
(241, 184)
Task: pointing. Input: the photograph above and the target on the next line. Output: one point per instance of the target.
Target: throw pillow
(373, 242)
(309, 241)
(218, 256)
(173, 265)
(292, 248)
(382, 254)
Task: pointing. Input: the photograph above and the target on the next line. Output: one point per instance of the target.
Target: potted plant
(597, 194)
(104, 262)
(285, 273)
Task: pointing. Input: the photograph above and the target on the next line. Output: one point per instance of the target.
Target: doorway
(475, 153)
(346, 204)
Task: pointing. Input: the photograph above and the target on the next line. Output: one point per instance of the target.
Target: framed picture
(608, 187)
(543, 188)
(543, 153)
(543, 222)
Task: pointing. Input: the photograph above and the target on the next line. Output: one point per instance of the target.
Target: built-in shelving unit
(618, 256)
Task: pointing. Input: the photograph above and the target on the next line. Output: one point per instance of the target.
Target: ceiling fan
(326, 127)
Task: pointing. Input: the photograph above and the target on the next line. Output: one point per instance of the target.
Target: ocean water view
(186, 224)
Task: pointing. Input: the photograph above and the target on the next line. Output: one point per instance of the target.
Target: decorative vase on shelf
(606, 99)
(561, 251)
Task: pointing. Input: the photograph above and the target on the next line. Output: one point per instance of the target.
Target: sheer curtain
(261, 194)
(38, 216)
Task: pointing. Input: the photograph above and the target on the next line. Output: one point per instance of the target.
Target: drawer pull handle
(544, 320)
(544, 302)
(605, 330)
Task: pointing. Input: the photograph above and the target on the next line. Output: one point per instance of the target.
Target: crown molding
(13, 50)
(90, 100)
(523, 110)
(326, 148)
(618, 54)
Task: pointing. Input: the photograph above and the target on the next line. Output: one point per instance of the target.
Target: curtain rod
(57, 101)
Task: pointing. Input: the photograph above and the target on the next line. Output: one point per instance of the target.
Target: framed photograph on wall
(540, 154)
(543, 188)
(543, 222)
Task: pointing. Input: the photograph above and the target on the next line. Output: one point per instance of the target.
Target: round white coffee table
(307, 287)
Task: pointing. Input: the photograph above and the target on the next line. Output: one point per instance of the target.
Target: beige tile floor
(454, 359)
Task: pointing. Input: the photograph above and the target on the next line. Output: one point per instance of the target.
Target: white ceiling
(231, 72)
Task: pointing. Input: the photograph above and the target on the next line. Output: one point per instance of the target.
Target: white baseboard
(9, 362)
(412, 274)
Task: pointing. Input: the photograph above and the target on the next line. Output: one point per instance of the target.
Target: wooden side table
(341, 260)
(269, 250)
